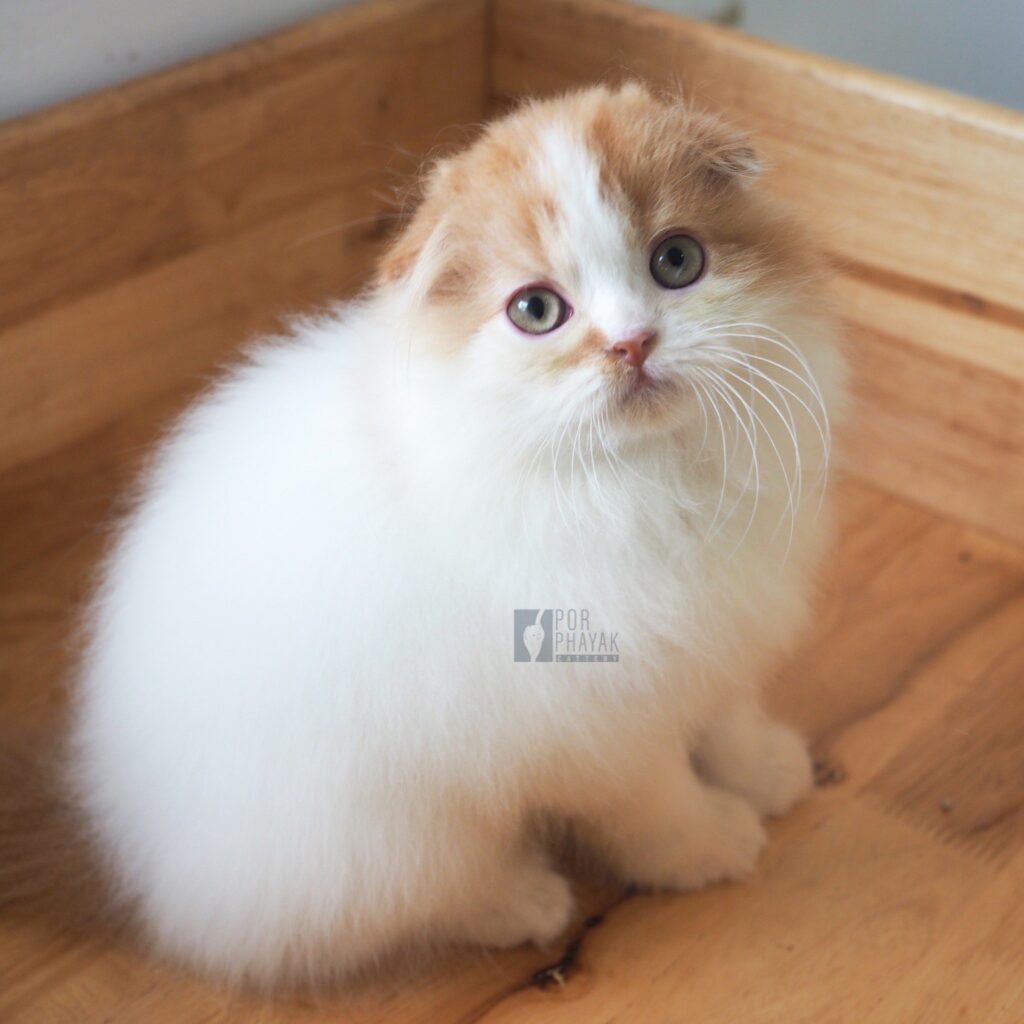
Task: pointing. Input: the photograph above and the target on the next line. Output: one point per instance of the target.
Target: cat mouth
(642, 400)
(640, 390)
(643, 382)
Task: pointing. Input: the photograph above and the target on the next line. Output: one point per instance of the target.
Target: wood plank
(917, 193)
(107, 186)
(55, 513)
(844, 906)
(940, 413)
(153, 227)
(86, 363)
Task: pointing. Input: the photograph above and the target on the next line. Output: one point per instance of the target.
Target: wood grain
(174, 324)
(917, 193)
(940, 414)
(148, 217)
(121, 181)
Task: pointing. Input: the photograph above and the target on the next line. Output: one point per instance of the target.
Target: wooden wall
(147, 228)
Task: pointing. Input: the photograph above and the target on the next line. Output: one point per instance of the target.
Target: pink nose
(635, 349)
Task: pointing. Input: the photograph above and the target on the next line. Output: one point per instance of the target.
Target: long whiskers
(736, 378)
(749, 402)
(806, 379)
(793, 487)
(715, 383)
(820, 424)
(725, 452)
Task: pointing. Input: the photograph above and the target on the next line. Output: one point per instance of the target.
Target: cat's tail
(48, 866)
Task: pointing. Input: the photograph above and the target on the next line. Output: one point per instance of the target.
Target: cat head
(582, 258)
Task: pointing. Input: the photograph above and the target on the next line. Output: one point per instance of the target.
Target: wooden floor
(893, 894)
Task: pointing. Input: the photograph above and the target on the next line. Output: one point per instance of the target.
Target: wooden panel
(103, 187)
(86, 362)
(940, 418)
(918, 193)
(54, 512)
(147, 229)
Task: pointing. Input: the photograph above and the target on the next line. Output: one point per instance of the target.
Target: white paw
(727, 847)
(535, 905)
(767, 764)
(784, 774)
(720, 843)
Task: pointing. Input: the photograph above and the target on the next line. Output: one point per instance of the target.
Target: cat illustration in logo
(533, 637)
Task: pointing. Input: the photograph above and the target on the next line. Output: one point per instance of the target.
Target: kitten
(594, 373)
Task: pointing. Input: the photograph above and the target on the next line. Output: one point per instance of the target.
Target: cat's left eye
(537, 310)
(677, 261)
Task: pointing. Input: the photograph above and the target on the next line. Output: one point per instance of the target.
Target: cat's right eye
(537, 310)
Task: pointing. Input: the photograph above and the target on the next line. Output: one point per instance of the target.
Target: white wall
(53, 49)
(972, 47)
(976, 48)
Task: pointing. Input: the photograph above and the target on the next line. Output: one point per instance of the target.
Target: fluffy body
(301, 739)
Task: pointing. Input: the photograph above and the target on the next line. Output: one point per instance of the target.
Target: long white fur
(301, 736)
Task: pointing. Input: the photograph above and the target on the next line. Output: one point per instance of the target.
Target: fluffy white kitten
(595, 373)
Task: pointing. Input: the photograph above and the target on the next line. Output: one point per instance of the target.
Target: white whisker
(732, 356)
(572, 468)
(753, 469)
(809, 382)
(782, 390)
(780, 340)
(704, 416)
(794, 487)
(559, 491)
(725, 456)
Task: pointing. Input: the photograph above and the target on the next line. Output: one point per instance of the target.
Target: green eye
(537, 310)
(677, 261)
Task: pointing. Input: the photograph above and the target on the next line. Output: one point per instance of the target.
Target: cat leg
(673, 830)
(523, 900)
(764, 761)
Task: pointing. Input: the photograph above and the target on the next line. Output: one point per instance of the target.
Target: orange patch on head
(652, 154)
(660, 159)
(490, 216)
(481, 209)
(669, 165)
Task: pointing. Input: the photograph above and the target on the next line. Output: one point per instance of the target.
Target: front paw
(788, 774)
(768, 765)
(720, 845)
(727, 848)
(531, 904)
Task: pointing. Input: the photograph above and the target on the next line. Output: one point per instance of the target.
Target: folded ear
(726, 155)
(735, 158)
(401, 258)
(420, 234)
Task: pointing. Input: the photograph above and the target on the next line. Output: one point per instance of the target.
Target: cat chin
(647, 407)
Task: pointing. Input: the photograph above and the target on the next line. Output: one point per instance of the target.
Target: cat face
(575, 261)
